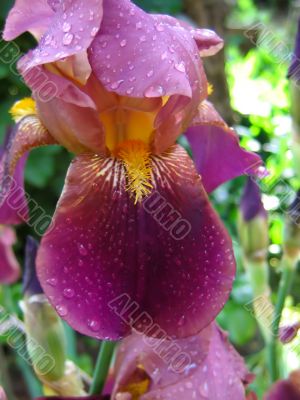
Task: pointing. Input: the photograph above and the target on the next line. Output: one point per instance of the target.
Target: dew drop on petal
(68, 38)
(94, 31)
(150, 73)
(82, 250)
(154, 91)
(94, 325)
(62, 310)
(52, 282)
(68, 293)
(160, 28)
(180, 66)
(123, 43)
(66, 27)
(116, 84)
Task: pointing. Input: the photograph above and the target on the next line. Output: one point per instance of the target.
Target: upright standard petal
(33, 16)
(216, 150)
(215, 370)
(71, 31)
(9, 266)
(143, 56)
(165, 261)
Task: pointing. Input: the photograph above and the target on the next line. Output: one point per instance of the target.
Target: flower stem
(102, 367)
(284, 288)
(258, 272)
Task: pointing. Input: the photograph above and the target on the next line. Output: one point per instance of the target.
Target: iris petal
(216, 150)
(33, 16)
(71, 30)
(215, 370)
(174, 262)
(9, 267)
(26, 135)
(162, 59)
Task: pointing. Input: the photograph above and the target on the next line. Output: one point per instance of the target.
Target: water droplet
(154, 91)
(68, 293)
(62, 310)
(123, 43)
(139, 25)
(150, 73)
(130, 90)
(48, 39)
(68, 38)
(204, 390)
(66, 27)
(82, 250)
(52, 282)
(116, 84)
(94, 325)
(94, 31)
(160, 28)
(180, 66)
(143, 39)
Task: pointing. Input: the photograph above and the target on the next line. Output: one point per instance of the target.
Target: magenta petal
(72, 29)
(215, 370)
(9, 266)
(208, 42)
(216, 150)
(285, 389)
(33, 16)
(104, 250)
(135, 54)
(219, 157)
(9, 214)
(12, 187)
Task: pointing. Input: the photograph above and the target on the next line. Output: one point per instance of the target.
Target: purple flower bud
(294, 70)
(289, 332)
(253, 223)
(31, 284)
(251, 204)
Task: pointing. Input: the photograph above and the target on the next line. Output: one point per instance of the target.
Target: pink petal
(33, 16)
(215, 370)
(103, 249)
(71, 31)
(135, 54)
(74, 127)
(216, 150)
(208, 42)
(9, 266)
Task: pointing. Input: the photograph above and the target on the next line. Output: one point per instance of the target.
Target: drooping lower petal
(214, 371)
(33, 16)
(9, 266)
(216, 150)
(167, 260)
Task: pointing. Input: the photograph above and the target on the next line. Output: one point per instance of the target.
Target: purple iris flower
(10, 215)
(117, 87)
(145, 369)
